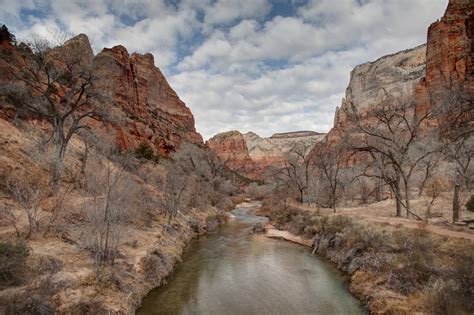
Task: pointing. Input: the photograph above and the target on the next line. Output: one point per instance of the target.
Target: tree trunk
(334, 202)
(456, 203)
(58, 165)
(377, 194)
(407, 199)
(396, 192)
(423, 184)
(399, 208)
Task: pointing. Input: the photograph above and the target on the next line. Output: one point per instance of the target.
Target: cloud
(227, 11)
(260, 65)
(301, 96)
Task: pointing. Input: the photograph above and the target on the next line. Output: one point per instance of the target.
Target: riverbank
(237, 271)
(143, 265)
(391, 269)
(271, 232)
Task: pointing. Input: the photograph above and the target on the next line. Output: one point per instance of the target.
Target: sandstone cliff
(232, 150)
(271, 152)
(449, 64)
(426, 75)
(423, 76)
(143, 105)
(251, 155)
(396, 75)
(155, 114)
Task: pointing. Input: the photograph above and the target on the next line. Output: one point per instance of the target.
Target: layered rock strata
(252, 155)
(142, 106)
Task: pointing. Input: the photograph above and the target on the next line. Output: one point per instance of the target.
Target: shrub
(155, 265)
(413, 266)
(337, 223)
(144, 151)
(45, 264)
(470, 204)
(33, 303)
(12, 262)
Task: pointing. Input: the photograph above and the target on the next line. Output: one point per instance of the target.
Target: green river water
(236, 272)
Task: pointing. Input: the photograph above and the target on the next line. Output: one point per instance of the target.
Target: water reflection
(235, 272)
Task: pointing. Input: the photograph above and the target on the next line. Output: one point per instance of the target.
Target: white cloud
(226, 11)
(235, 66)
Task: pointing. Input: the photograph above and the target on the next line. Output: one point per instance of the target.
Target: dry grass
(65, 279)
(440, 221)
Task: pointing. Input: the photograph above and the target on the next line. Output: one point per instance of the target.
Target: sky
(250, 65)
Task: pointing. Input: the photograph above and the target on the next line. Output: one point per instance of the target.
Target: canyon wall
(449, 65)
(272, 151)
(141, 105)
(251, 155)
(154, 112)
(396, 75)
(425, 76)
(231, 148)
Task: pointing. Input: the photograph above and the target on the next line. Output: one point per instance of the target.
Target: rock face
(268, 152)
(232, 150)
(449, 63)
(144, 108)
(251, 155)
(396, 75)
(423, 75)
(154, 112)
(450, 48)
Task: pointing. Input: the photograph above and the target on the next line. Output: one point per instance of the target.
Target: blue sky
(251, 65)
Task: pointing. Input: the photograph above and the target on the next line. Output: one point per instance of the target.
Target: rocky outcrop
(272, 151)
(252, 155)
(396, 75)
(231, 148)
(449, 64)
(141, 105)
(428, 75)
(154, 112)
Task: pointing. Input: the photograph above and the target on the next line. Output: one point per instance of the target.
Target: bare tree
(297, 170)
(453, 107)
(113, 196)
(56, 85)
(365, 188)
(461, 153)
(29, 196)
(7, 213)
(428, 166)
(175, 197)
(328, 162)
(435, 185)
(391, 138)
(195, 178)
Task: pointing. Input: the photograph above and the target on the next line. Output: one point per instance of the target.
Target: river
(236, 272)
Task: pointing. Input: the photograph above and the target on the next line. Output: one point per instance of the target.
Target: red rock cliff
(449, 53)
(231, 148)
(145, 107)
(423, 75)
(252, 155)
(154, 112)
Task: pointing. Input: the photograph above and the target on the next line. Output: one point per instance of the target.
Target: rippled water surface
(235, 272)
